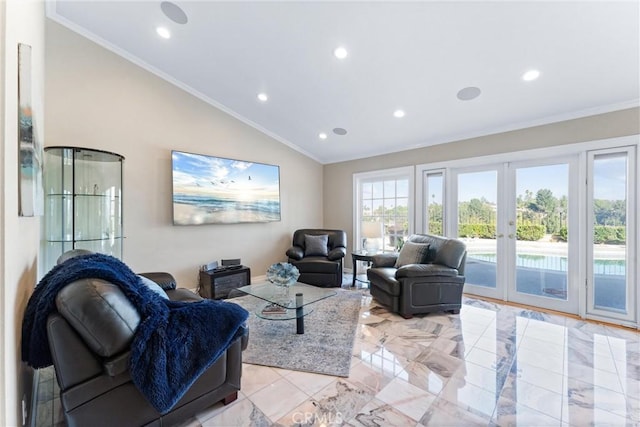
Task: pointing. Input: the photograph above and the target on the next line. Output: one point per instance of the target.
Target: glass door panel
(477, 217)
(539, 238)
(610, 222)
(434, 198)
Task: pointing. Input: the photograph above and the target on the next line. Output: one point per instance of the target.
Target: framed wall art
(30, 153)
(216, 190)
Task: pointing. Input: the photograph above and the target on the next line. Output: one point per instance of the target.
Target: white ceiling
(410, 55)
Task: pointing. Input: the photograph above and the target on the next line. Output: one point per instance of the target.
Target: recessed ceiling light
(263, 97)
(322, 135)
(340, 52)
(340, 131)
(530, 75)
(468, 93)
(163, 32)
(398, 113)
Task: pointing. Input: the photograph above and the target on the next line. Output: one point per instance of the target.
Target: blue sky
(609, 180)
(609, 175)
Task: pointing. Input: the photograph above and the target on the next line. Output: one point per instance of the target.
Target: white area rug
(324, 348)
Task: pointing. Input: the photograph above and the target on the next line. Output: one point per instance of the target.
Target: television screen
(215, 190)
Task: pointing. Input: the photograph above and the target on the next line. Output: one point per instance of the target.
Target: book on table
(273, 309)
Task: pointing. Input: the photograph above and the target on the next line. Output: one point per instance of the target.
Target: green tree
(610, 212)
(547, 206)
(435, 218)
(476, 211)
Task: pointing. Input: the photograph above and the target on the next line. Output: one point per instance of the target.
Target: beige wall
(22, 22)
(97, 99)
(338, 177)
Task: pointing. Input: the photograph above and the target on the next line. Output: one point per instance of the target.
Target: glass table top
(274, 294)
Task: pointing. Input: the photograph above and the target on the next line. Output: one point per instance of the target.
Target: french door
(477, 214)
(543, 237)
(516, 221)
(555, 232)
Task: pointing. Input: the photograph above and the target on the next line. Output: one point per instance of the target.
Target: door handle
(511, 236)
(500, 235)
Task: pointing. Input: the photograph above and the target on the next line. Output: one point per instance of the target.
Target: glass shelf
(85, 240)
(83, 206)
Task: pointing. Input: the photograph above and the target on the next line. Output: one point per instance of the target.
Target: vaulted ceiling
(455, 69)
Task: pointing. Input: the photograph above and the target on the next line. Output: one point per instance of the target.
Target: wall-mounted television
(216, 190)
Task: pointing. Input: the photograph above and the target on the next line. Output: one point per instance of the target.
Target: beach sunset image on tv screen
(215, 190)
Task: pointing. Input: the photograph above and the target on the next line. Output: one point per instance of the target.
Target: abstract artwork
(30, 196)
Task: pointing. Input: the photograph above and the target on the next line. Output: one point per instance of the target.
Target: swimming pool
(607, 267)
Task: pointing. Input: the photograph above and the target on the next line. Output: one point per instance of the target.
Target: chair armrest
(74, 362)
(295, 252)
(182, 294)
(165, 280)
(422, 270)
(336, 253)
(244, 337)
(384, 260)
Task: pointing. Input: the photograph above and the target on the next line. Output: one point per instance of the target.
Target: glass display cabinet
(83, 202)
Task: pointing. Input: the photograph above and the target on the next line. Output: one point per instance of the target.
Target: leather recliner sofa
(96, 389)
(433, 284)
(321, 266)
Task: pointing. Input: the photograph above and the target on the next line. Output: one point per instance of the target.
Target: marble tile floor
(491, 365)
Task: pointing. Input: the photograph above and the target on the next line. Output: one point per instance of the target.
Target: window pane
(402, 188)
(477, 207)
(610, 231)
(377, 207)
(367, 190)
(541, 230)
(389, 189)
(390, 207)
(366, 208)
(395, 232)
(435, 183)
(377, 190)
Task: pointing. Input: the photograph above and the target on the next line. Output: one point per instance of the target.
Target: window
(433, 209)
(384, 209)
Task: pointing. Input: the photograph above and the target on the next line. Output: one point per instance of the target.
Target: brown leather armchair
(434, 284)
(93, 372)
(318, 254)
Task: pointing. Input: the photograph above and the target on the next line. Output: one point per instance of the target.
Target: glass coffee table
(286, 303)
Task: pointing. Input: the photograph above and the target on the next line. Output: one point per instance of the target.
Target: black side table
(217, 283)
(361, 255)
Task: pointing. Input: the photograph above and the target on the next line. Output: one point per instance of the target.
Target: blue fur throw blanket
(175, 341)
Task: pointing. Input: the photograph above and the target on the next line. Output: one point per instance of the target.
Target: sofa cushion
(385, 260)
(337, 238)
(165, 280)
(100, 313)
(153, 286)
(316, 245)
(72, 254)
(317, 265)
(182, 294)
(412, 253)
(450, 253)
(421, 270)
